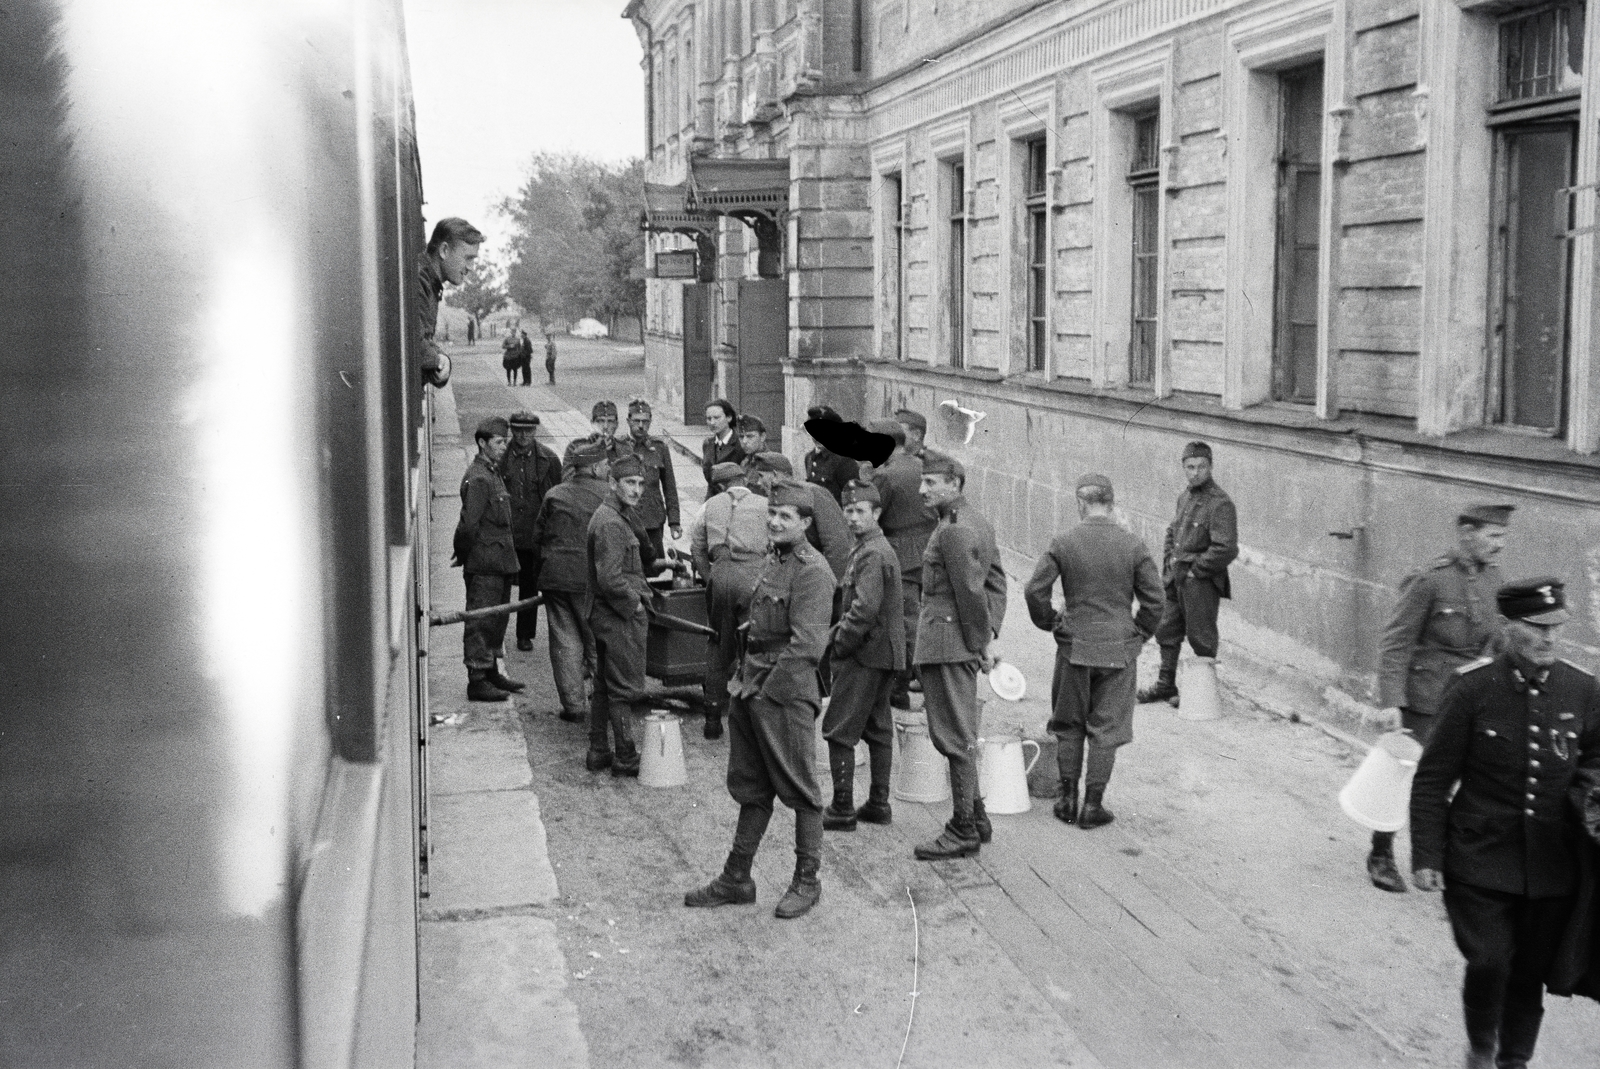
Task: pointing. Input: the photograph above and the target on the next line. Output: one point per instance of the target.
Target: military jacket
(712, 453)
(872, 627)
(789, 615)
(1102, 569)
(616, 570)
(659, 504)
(430, 289)
(484, 544)
(564, 533)
(529, 476)
(1446, 616)
(1514, 743)
(906, 521)
(963, 589)
(828, 533)
(830, 470)
(614, 449)
(1204, 537)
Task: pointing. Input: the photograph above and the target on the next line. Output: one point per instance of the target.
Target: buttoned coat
(614, 449)
(659, 504)
(872, 626)
(1445, 617)
(830, 470)
(1203, 538)
(1102, 569)
(484, 544)
(529, 476)
(563, 526)
(712, 453)
(1514, 746)
(828, 533)
(963, 589)
(906, 521)
(789, 615)
(617, 586)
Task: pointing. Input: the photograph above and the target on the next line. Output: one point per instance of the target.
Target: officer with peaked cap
(908, 523)
(619, 617)
(728, 540)
(485, 549)
(775, 701)
(1445, 616)
(659, 505)
(1512, 734)
(825, 467)
(603, 421)
(1102, 569)
(564, 574)
(867, 652)
(530, 469)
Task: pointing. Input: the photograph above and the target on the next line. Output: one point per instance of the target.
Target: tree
(576, 248)
(483, 293)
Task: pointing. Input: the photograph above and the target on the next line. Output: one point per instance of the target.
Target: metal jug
(1378, 796)
(661, 752)
(921, 774)
(1002, 777)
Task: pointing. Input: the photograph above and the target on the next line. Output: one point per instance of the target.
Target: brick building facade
(1348, 242)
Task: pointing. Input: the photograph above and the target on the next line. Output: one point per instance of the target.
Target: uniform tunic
(529, 475)
(772, 717)
(430, 289)
(830, 470)
(729, 542)
(908, 524)
(563, 528)
(828, 532)
(614, 449)
(869, 646)
(659, 505)
(1445, 617)
(618, 595)
(1201, 542)
(486, 550)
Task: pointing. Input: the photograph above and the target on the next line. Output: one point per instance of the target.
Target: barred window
(1541, 52)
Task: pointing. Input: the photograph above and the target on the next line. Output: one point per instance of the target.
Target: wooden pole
(440, 619)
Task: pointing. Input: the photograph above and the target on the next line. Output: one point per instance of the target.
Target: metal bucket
(1378, 796)
(1198, 690)
(661, 752)
(921, 774)
(1002, 777)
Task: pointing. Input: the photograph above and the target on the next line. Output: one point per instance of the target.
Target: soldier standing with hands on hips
(775, 701)
(485, 548)
(1513, 733)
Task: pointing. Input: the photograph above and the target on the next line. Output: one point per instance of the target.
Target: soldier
(868, 651)
(1201, 542)
(451, 256)
(772, 716)
(915, 425)
(1445, 617)
(619, 617)
(1513, 733)
(825, 468)
(550, 358)
(963, 604)
(907, 523)
(827, 532)
(564, 573)
(659, 505)
(1102, 568)
(752, 437)
(485, 549)
(603, 420)
(722, 444)
(530, 469)
(729, 543)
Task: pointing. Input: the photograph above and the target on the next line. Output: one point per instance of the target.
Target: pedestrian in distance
(451, 255)
(722, 444)
(525, 356)
(824, 467)
(752, 436)
(1514, 733)
(563, 532)
(963, 605)
(868, 651)
(1445, 617)
(619, 601)
(908, 523)
(1201, 542)
(659, 505)
(550, 358)
(1102, 569)
(728, 541)
(485, 549)
(511, 356)
(472, 331)
(603, 429)
(772, 714)
(530, 469)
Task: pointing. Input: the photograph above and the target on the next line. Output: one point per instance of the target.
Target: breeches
(858, 708)
(950, 696)
(911, 607)
(618, 677)
(1092, 703)
(772, 752)
(481, 639)
(1190, 612)
(1509, 942)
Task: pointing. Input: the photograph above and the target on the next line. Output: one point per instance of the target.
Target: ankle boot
(597, 760)
(980, 821)
(480, 689)
(626, 763)
(841, 813)
(1380, 864)
(713, 728)
(733, 886)
(803, 891)
(877, 810)
(1093, 814)
(1166, 685)
(511, 686)
(1066, 809)
(958, 839)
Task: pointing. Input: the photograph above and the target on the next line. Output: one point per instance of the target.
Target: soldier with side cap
(1102, 569)
(531, 469)
(827, 532)
(772, 717)
(867, 652)
(728, 541)
(908, 523)
(485, 548)
(1445, 617)
(603, 421)
(659, 505)
(564, 574)
(1515, 732)
(619, 616)
(963, 604)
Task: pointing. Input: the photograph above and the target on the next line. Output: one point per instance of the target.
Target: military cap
(824, 413)
(625, 465)
(724, 473)
(790, 492)
(637, 405)
(1087, 480)
(493, 427)
(770, 461)
(892, 427)
(602, 409)
(1196, 449)
(857, 490)
(587, 452)
(524, 419)
(1536, 601)
(942, 464)
(912, 419)
(752, 423)
(1499, 515)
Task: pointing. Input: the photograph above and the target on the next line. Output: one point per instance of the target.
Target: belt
(765, 645)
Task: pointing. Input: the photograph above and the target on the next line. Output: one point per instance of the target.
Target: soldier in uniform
(752, 437)
(1512, 734)
(603, 420)
(963, 605)
(1102, 569)
(485, 548)
(824, 467)
(772, 717)
(867, 652)
(451, 256)
(530, 469)
(728, 541)
(659, 505)
(907, 523)
(721, 446)
(915, 425)
(564, 573)
(1445, 617)
(827, 532)
(1201, 542)
(619, 617)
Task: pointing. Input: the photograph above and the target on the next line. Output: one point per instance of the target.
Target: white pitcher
(1002, 777)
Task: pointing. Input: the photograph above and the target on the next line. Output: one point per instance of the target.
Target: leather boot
(713, 728)
(1166, 685)
(1519, 1034)
(1066, 809)
(510, 686)
(1380, 864)
(1483, 1034)
(626, 763)
(479, 689)
(597, 760)
(733, 886)
(958, 839)
(1093, 814)
(877, 810)
(803, 892)
(980, 821)
(841, 812)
